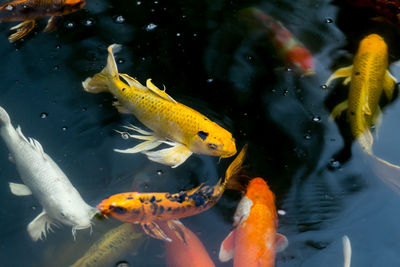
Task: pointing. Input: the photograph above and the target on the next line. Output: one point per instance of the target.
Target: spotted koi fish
(254, 241)
(148, 208)
(30, 10)
(291, 49)
(172, 123)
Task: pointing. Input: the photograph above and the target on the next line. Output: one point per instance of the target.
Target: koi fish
(44, 180)
(116, 242)
(172, 123)
(30, 10)
(368, 78)
(346, 251)
(291, 49)
(254, 241)
(147, 209)
(187, 252)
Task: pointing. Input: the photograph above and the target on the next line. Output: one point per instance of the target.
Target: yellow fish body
(118, 241)
(368, 77)
(173, 123)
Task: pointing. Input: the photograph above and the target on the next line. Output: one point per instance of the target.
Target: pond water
(200, 52)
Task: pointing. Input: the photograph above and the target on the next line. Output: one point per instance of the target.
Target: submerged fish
(149, 208)
(43, 179)
(187, 252)
(388, 10)
(30, 10)
(368, 78)
(116, 242)
(291, 49)
(254, 241)
(172, 123)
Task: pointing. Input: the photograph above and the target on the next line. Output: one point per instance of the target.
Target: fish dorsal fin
(20, 189)
(281, 243)
(159, 92)
(227, 248)
(132, 82)
(19, 132)
(37, 146)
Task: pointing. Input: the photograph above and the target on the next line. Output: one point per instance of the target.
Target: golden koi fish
(30, 10)
(114, 243)
(368, 78)
(173, 123)
(148, 208)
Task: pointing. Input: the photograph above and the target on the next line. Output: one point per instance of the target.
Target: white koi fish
(43, 179)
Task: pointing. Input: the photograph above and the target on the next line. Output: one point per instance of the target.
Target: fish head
(125, 207)
(302, 59)
(216, 142)
(70, 6)
(79, 218)
(258, 191)
(373, 43)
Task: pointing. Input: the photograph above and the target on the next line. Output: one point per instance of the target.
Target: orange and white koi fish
(292, 50)
(30, 10)
(187, 252)
(149, 208)
(254, 241)
(173, 123)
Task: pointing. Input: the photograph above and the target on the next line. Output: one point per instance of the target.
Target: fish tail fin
(233, 177)
(389, 173)
(98, 83)
(4, 118)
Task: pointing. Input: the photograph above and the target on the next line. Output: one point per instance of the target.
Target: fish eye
(62, 214)
(212, 146)
(117, 209)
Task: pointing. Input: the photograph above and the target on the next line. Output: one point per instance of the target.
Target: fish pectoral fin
(389, 82)
(227, 248)
(377, 120)
(338, 109)
(159, 92)
(153, 230)
(96, 84)
(152, 141)
(52, 23)
(340, 73)
(38, 147)
(142, 147)
(121, 108)
(179, 230)
(19, 189)
(173, 156)
(22, 30)
(39, 227)
(281, 243)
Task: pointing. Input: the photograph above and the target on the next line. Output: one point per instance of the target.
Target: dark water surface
(199, 51)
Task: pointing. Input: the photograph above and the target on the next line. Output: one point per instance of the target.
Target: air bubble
(88, 22)
(125, 136)
(328, 20)
(120, 60)
(70, 25)
(9, 7)
(138, 3)
(316, 119)
(210, 80)
(324, 86)
(307, 136)
(119, 19)
(43, 115)
(56, 67)
(64, 128)
(334, 164)
(151, 27)
(160, 172)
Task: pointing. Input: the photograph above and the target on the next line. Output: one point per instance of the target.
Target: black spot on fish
(161, 210)
(153, 198)
(357, 73)
(129, 198)
(212, 146)
(352, 113)
(141, 200)
(119, 210)
(182, 197)
(169, 209)
(155, 206)
(202, 135)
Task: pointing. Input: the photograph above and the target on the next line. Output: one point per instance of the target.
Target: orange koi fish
(187, 252)
(149, 208)
(172, 123)
(30, 10)
(292, 50)
(254, 241)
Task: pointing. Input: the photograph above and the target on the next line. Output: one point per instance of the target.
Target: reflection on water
(207, 60)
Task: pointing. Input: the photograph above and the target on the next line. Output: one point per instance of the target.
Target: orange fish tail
(233, 176)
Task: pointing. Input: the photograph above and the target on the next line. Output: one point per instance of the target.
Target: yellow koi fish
(116, 242)
(172, 123)
(368, 78)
